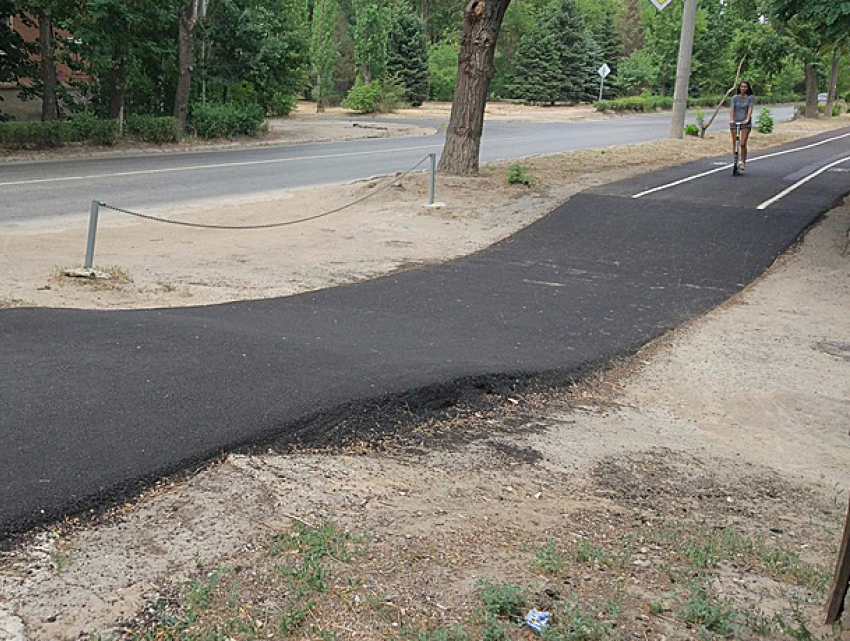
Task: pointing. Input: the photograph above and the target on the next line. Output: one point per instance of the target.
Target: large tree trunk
(811, 92)
(320, 96)
(187, 17)
(117, 88)
(49, 103)
(832, 87)
(481, 23)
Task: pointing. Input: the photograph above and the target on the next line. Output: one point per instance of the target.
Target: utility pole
(683, 70)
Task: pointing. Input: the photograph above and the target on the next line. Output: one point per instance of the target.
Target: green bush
(363, 97)
(764, 122)
(691, 130)
(82, 126)
(155, 129)
(839, 107)
(35, 135)
(442, 70)
(105, 132)
(779, 98)
(635, 103)
(226, 121)
(282, 104)
(518, 175)
(646, 102)
(391, 96)
(54, 133)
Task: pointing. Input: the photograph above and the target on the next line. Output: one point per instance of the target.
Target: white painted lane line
(245, 163)
(767, 203)
(713, 171)
(682, 180)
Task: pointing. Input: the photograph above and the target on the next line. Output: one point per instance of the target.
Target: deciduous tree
(14, 51)
(323, 49)
(187, 18)
(370, 33)
(482, 20)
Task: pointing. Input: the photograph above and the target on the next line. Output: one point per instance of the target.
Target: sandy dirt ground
(156, 265)
(694, 490)
(494, 111)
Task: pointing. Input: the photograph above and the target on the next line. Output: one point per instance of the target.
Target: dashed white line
(713, 171)
(767, 203)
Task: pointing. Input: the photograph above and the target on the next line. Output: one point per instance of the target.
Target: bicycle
(735, 170)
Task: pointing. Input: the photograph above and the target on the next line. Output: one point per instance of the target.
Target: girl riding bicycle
(741, 113)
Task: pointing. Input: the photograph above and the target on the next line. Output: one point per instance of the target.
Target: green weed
(60, 560)
(710, 613)
(549, 559)
(494, 630)
(574, 622)
(519, 175)
(502, 600)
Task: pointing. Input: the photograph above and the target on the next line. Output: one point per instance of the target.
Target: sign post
(603, 71)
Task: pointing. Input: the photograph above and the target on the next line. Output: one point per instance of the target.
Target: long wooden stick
(835, 604)
(704, 127)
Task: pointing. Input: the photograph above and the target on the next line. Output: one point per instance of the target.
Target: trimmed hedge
(153, 129)
(226, 121)
(54, 133)
(653, 103)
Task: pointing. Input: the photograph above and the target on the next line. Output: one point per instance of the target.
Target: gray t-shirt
(740, 106)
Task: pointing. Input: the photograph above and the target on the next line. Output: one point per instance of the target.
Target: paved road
(95, 404)
(52, 189)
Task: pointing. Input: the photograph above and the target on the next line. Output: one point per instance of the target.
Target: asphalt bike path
(93, 405)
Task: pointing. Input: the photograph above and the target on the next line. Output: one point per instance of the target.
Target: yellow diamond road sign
(661, 4)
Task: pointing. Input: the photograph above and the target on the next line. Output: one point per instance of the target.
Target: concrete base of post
(434, 205)
(86, 272)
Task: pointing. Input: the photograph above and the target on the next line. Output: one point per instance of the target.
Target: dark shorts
(746, 125)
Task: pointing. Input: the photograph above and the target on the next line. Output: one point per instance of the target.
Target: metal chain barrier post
(96, 205)
(431, 186)
(95, 209)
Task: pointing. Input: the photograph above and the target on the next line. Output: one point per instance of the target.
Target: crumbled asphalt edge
(408, 421)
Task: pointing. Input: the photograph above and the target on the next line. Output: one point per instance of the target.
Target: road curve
(93, 405)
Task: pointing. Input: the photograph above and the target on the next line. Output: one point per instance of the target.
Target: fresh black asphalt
(94, 403)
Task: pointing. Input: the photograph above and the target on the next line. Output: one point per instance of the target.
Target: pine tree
(611, 51)
(568, 24)
(536, 75)
(323, 49)
(593, 61)
(407, 57)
